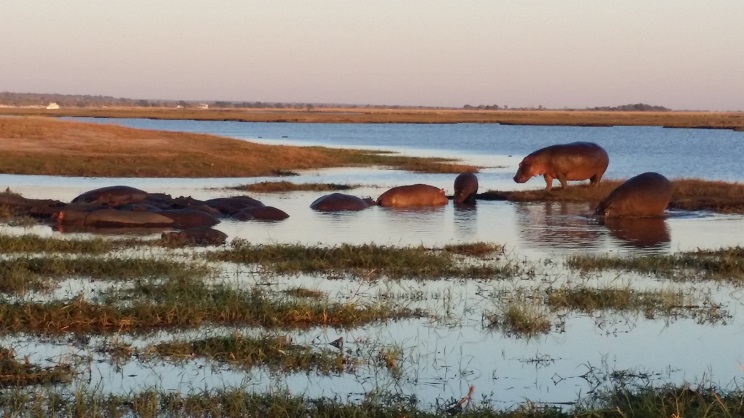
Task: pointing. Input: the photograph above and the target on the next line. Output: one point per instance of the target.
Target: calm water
(443, 358)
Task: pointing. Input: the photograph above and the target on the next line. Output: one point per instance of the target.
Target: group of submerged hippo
(647, 194)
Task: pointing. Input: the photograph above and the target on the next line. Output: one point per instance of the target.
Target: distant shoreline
(670, 119)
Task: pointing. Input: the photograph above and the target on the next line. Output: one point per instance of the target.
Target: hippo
(565, 162)
(340, 202)
(262, 213)
(189, 218)
(112, 196)
(231, 205)
(646, 194)
(466, 186)
(104, 217)
(412, 195)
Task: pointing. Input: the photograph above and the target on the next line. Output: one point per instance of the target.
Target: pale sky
(682, 54)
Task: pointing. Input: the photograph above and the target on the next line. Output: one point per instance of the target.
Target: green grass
(277, 353)
(726, 265)
(369, 260)
(650, 402)
(520, 319)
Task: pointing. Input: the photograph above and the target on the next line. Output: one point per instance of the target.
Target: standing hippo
(412, 195)
(574, 161)
(340, 202)
(646, 194)
(466, 186)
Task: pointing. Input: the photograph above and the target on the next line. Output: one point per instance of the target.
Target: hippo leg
(593, 180)
(548, 181)
(563, 180)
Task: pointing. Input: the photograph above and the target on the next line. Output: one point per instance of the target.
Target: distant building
(52, 106)
(203, 106)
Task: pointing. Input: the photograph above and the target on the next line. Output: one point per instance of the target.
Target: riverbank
(671, 119)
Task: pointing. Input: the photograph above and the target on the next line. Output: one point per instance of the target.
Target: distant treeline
(634, 108)
(623, 108)
(75, 100)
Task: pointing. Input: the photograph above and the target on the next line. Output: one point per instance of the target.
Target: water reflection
(558, 225)
(640, 232)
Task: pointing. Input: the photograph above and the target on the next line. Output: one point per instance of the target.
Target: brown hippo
(189, 218)
(231, 205)
(646, 194)
(565, 162)
(262, 213)
(97, 217)
(340, 202)
(412, 195)
(466, 186)
(112, 196)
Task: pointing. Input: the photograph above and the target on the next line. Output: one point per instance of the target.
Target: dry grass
(716, 120)
(51, 147)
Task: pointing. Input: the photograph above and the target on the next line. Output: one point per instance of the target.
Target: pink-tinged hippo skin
(466, 187)
(262, 213)
(412, 195)
(231, 205)
(189, 218)
(646, 194)
(340, 202)
(111, 218)
(112, 196)
(566, 162)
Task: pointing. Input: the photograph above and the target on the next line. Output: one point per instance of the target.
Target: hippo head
(527, 169)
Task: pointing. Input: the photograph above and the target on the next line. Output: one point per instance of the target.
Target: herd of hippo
(644, 195)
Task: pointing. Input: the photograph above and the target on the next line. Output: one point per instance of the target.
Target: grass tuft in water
(519, 319)
(16, 373)
(368, 260)
(725, 265)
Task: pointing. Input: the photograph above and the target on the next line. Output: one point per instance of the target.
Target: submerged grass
(725, 264)
(18, 275)
(16, 373)
(665, 303)
(288, 186)
(185, 303)
(277, 353)
(646, 402)
(368, 260)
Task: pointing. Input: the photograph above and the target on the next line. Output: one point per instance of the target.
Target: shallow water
(443, 356)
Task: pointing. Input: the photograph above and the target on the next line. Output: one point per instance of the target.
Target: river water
(442, 360)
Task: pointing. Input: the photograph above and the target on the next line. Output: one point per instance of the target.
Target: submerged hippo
(466, 186)
(340, 202)
(413, 195)
(112, 196)
(565, 162)
(112, 218)
(646, 194)
(203, 236)
(261, 213)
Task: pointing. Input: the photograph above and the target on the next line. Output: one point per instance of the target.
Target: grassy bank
(714, 120)
(46, 146)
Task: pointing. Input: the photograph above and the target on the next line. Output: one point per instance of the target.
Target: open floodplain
(525, 307)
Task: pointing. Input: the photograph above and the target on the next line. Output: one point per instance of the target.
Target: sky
(682, 54)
